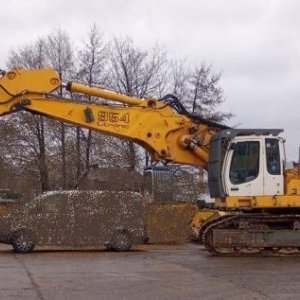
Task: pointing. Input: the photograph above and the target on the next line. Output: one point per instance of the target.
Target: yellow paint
(106, 94)
(202, 216)
(17, 82)
(259, 202)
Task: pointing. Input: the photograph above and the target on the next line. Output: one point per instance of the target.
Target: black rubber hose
(175, 103)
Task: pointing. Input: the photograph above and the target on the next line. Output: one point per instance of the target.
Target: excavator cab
(246, 163)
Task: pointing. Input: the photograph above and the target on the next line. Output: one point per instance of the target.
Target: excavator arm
(169, 134)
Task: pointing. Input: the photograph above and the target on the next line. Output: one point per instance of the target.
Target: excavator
(246, 167)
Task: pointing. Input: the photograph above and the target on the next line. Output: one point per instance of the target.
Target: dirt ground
(150, 272)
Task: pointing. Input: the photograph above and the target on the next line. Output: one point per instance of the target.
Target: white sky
(255, 43)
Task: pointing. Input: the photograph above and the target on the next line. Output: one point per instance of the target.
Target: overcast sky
(254, 43)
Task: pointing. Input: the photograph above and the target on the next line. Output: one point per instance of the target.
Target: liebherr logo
(113, 119)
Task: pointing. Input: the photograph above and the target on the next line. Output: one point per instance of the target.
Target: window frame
(257, 163)
(277, 171)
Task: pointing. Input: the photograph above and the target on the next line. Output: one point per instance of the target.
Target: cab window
(273, 156)
(245, 162)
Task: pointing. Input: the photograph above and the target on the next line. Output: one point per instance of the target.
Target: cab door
(243, 168)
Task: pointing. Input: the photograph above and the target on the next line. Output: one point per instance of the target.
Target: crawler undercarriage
(253, 234)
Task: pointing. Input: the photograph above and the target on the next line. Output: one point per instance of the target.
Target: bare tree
(179, 75)
(30, 56)
(92, 70)
(205, 94)
(60, 56)
(134, 71)
(34, 56)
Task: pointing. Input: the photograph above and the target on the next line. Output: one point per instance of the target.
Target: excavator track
(249, 234)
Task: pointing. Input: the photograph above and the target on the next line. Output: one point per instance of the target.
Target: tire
(23, 241)
(121, 241)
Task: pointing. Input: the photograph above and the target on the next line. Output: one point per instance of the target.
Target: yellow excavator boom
(155, 125)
